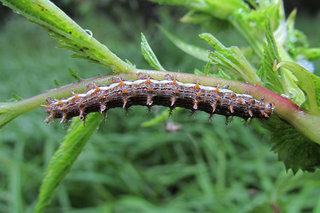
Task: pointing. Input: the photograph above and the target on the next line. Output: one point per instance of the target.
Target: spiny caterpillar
(168, 92)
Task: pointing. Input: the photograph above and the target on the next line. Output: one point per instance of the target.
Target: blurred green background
(202, 167)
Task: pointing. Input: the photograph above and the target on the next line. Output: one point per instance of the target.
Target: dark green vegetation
(203, 167)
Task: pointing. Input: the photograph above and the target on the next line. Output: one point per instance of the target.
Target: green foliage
(310, 53)
(69, 34)
(268, 75)
(195, 51)
(35, 142)
(268, 35)
(149, 55)
(309, 83)
(231, 60)
(218, 9)
(220, 156)
(287, 83)
(61, 162)
(295, 150)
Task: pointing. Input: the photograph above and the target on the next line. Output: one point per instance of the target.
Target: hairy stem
(285, 108)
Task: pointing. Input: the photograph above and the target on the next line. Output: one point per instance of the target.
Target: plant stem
(285, 108)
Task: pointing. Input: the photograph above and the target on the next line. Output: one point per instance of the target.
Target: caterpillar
(168, 92)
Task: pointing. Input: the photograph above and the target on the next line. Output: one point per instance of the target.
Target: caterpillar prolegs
(168, 92)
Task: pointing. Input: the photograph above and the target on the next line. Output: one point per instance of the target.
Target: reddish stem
(306, 123)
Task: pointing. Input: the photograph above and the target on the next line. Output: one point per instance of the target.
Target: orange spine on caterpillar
(167, 92)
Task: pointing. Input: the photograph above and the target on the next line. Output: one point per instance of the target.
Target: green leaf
(290, 83)
(207, 68)
(266, 72)
(218, 9)
(231, 60)
(308, 82)
(287, 83)
(149, 55)
(61, 162)
(195, 51)
(251, 24)
(68, 33)
(225, 75)
(224, 9)
(293, 148)
(310, 53)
